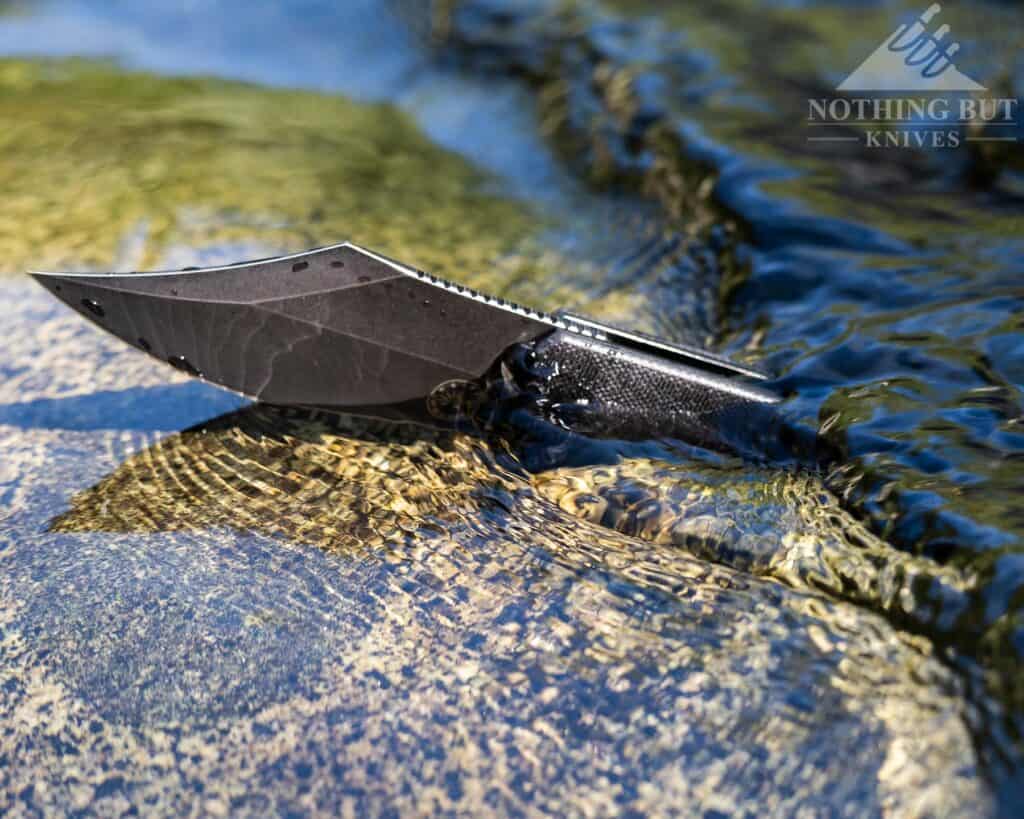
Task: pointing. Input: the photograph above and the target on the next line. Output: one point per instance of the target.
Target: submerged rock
(273, 611)
(276, 610)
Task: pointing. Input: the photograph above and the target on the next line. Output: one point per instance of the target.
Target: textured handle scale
(608, 390)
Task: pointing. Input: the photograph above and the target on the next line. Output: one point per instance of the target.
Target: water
(275, 612)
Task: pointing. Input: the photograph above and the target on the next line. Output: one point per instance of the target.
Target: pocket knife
(343, 328)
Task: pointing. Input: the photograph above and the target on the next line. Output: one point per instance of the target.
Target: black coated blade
(335, 327)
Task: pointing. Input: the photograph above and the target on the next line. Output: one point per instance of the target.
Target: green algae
(106, 167)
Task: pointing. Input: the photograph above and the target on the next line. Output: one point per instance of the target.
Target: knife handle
(604, 389)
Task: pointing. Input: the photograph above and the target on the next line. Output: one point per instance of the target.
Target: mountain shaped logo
(911, 59)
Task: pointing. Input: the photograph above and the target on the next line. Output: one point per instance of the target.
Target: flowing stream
(210, 607)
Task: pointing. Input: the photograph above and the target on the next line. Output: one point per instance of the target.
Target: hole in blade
(179, 362)
(94, 307)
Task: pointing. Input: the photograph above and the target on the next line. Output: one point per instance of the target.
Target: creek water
(212, 607)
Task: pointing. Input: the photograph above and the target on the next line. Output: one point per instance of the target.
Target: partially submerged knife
(344, 328)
